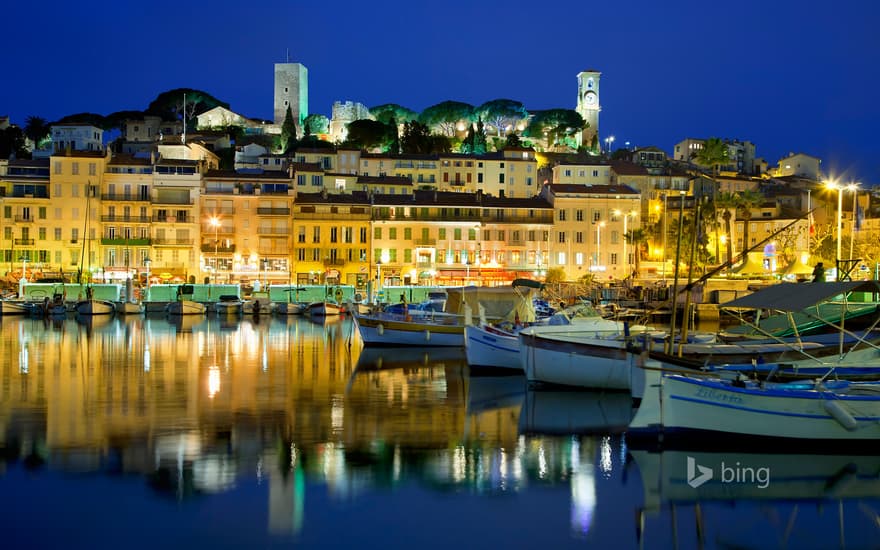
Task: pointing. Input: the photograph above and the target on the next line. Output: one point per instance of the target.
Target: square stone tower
(291, 88)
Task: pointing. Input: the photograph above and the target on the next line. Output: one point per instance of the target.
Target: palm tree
(747, 201)
(713, 155)
(638, 238)
(728, 203)
(36, 129)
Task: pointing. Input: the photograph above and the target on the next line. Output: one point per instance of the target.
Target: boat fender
(427, 335)
(380, 329)
(836, 410)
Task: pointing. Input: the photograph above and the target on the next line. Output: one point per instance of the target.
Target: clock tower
(588, 104)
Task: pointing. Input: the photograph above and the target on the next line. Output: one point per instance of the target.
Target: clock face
(590, 98)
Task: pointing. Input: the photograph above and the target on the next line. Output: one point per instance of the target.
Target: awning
(799, 296)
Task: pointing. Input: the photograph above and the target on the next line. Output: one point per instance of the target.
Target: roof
(128, 160)
(388, 180)
(623, 168)
(356, 197)
(799, 296)
(232, 174)
(591, 189)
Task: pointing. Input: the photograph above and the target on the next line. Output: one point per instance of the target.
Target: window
(333, 234)
(316, 234)
(57, 167)
(579, 215)
(377, 233)
(579, 258)
(562, 215)
(596, 216)
(595, 173)
(501, 235)
(500, 178)
(363, 234)
(57, 233)
(613, 258)
(441, 233)
(579, 236)
(561, 236)
(301, 179)
(75, 168)
(92, 167)
(560, 258)
(457, 234)
(480, 177)
(407, 234)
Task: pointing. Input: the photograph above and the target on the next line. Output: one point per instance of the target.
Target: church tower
(588, 105)
(291, 88)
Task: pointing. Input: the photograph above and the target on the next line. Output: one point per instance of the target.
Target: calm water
(143, 433)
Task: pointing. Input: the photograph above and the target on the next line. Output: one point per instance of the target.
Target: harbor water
(150, 432)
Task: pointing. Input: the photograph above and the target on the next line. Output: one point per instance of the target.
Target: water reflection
(282, 408)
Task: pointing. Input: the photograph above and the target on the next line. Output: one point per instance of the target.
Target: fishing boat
(437, 328)
(684, 408)
(92, 306)
(324, 309)
(16, 307)
(184, 305)
(257, 304)
(130, 306)
(228, 304)
(291, 306)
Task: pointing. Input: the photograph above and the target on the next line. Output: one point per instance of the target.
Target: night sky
(790, 76)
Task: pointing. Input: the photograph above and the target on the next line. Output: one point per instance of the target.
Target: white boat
(185, 307)
(580, 359)
(390, 329)
(228, 304)
(323, 309)
(684, 407)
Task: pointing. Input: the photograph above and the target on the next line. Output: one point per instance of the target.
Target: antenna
(288, 56)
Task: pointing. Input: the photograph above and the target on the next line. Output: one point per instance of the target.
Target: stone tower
(588, 103)
(291, 88)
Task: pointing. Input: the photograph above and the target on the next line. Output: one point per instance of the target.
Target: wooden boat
(91, 306)
(698, 408)
(184, 305)
(228, 304)
(289, 308)
(16, 307)
(257, 304)
(130, 308)
(323, 309)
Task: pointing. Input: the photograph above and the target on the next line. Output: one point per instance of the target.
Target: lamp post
(625, 216)
(608, 142)
(215, 223)
(854, 187)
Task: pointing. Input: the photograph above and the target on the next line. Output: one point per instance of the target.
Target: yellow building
(331, 238)
(588, 232)
(126, 217)
(175, 218)
(24, 196)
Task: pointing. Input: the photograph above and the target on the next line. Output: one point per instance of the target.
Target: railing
(274, 211)
(173, 219)
(124, 197)
(280, 231)
(211, 248)
(337, 262)
(329, 216)
(126, 219)
(172, 242)
(425, 242)
(127, 242)
(227, 210)
(24, 219)
(24, 242)
(518, 242)
(159, 200)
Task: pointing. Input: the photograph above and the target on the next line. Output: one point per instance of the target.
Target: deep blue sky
(788, 75)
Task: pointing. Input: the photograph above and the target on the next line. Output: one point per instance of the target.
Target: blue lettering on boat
(724, 397)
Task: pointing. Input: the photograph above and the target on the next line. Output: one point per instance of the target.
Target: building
(740, 154)
(291, 90)
(343, 113)
(126, 217)
(799, 164)
(77, 137)
(588, 106)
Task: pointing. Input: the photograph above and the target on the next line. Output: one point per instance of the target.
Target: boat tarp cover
(799, 296)
(500, 302)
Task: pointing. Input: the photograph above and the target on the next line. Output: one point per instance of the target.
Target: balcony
(23, 242)
(126, 219)
(331, 216)
(334, 262)
(214, 212)
(425, 242)
(125, 242)
(209, 248)
(273, 231)
(168, 200)
(518, 242)
(172, 242)
(124, 197)
(173, 219)
(273, 211)
(24, 219)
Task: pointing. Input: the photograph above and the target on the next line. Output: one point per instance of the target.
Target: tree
(384, 113)
(728, 203)
(12, 143)
(93, 119)
(170, 105)
(318, 124)
(369, 134)
(446, 116)
(637, 238)
(555, 275)
(713, 155)
(416, 139)
(513, 140)
(37, 130)
(501, 113)
(555, 123)
(748, 200)
(475, 141)
(117, 119)
(288, 132)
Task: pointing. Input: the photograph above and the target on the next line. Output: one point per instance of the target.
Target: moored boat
(130, 307)
(185, 307)
(16, 307)
(323, 309)
(228, 304)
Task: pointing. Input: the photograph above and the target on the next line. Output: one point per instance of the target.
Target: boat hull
(95, 307)
(323, 309)
(185, 307)
(382, 331)
(289, 308)
(130, 308)
(685, 406)
(597, 362)
(490, 348)
(10, 307)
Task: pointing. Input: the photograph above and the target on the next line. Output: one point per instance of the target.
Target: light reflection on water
(324, 438)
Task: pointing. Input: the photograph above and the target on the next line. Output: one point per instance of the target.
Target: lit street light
(608, 142)
(840, 188)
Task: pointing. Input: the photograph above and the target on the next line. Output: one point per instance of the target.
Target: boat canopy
(799, 296)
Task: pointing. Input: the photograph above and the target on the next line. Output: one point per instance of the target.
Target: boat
(438, 328)
(687, 408)
(292, 306)
(183, 305)
(323, 309)
(257, 304)
(92, 306)
(16, 307)
(228, 304)
(130, 306)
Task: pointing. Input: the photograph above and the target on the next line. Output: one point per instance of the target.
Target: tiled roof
(389, 180)
(623, 168)
(592, 189)
(356, 197)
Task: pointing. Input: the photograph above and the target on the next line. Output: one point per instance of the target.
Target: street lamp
(854, 187)
(608, 142)
(215, 223)
(599, 227)
(625, 216)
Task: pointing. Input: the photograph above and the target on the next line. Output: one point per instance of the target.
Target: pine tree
(479, 143)
(288, 132)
